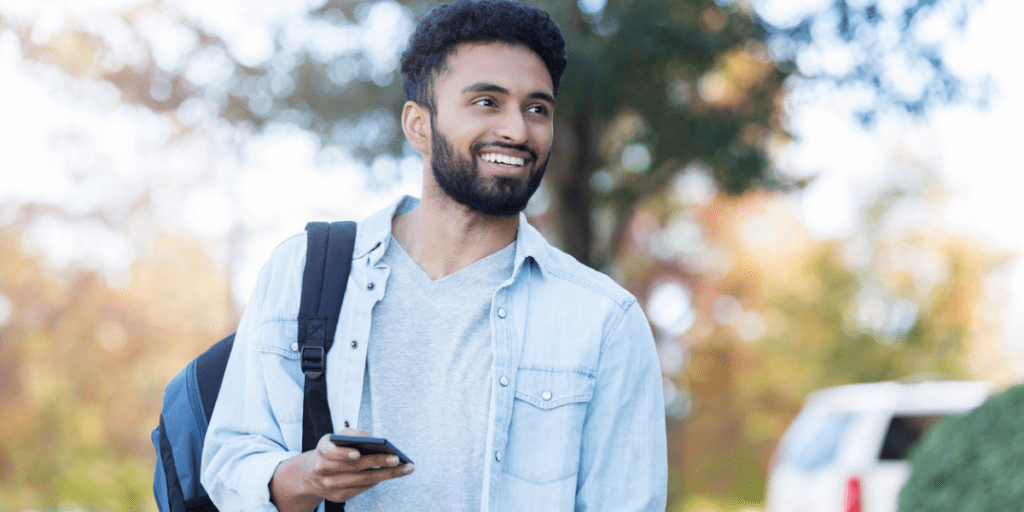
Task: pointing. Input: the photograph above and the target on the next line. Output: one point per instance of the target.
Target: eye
(538, 109)
(485, 102)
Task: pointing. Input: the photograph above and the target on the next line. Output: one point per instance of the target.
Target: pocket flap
(278, 336)
(550, 388)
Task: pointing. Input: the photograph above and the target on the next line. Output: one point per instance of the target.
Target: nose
(512, 127)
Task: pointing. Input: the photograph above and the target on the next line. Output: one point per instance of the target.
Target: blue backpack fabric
(190, 397)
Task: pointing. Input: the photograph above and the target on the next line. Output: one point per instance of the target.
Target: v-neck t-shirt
(427, 385)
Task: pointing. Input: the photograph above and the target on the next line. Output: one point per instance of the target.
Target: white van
(847, 449)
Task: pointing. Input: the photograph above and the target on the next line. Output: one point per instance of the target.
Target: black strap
(175, 495)
(210, 366)
(200, 504)
(328, 263)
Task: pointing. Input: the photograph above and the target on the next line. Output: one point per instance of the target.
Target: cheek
(544, 135)
(463, 134)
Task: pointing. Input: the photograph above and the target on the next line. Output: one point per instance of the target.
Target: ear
(416, 125)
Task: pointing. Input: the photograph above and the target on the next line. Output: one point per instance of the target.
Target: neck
(443, 236)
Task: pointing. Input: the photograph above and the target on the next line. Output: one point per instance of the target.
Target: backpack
(190, 397)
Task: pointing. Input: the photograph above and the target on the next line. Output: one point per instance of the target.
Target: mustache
(497, 144)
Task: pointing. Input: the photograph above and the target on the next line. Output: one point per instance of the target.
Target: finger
(375, 461)
(368, 478)
(326, 438)
(343, 495)
(363, 463)
(336, 459)
(343, 487)
(331, 452)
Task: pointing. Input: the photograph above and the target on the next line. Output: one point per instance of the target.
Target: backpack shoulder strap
(211, 366)
(328, 264)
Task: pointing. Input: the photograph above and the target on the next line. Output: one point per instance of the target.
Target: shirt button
(497, 456)
(503, 381)
(501, 313)
(546, 395)
(346, 424)
(295, 346)
(355, 343)
(369, 286)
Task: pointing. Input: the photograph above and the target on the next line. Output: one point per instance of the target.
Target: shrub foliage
(971, 463)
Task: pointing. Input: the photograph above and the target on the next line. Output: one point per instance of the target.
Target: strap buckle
(313, 364)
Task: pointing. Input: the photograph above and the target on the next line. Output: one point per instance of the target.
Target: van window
(812, 440)
(903, 434)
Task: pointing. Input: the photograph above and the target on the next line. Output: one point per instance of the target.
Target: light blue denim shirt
(576, 417)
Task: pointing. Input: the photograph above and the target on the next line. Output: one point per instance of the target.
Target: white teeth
(503, 159)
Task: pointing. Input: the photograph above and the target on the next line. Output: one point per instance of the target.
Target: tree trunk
(575, 160)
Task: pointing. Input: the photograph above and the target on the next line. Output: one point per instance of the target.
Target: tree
(656, 93)
(85, 367)
(777, 314)
(970, 463)
(654, 88)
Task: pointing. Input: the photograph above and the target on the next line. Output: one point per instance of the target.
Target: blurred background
(802, 194)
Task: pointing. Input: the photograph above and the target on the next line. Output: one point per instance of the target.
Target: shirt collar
(530, 244)
(374, 232)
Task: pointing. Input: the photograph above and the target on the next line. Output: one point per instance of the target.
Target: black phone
(370, 446)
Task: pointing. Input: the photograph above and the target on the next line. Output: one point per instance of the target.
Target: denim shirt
(576, 417)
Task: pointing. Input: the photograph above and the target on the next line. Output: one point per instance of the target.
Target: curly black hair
(477, 21)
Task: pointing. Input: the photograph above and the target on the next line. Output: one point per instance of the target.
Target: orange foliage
(83, 370)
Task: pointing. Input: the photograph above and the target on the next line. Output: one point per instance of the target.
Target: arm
(244, 443)
(251, 456)
(624, 461)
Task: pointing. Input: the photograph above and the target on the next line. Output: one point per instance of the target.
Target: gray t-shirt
(427, 387)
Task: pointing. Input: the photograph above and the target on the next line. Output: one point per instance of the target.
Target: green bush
(973, 462)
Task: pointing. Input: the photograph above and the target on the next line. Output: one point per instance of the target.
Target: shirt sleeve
(244, 444)
(624, 458)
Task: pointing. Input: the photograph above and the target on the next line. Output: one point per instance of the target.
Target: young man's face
(492, 132)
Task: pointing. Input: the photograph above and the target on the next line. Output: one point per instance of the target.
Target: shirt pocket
(547, 423)
(282, 373)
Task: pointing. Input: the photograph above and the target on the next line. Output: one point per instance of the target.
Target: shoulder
(290, 249)
(584, 309)
(570, 273)
(287, 258)
(280, 280)
(565, 274)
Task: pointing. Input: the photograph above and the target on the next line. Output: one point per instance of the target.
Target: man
(516, 378)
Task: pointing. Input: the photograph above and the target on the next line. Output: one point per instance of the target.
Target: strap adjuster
(313, 364)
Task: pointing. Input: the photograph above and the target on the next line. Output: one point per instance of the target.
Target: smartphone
(370, 446)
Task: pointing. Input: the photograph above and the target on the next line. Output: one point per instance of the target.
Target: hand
(331, 472)
(337, 474)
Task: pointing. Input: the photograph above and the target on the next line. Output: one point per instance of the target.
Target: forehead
(513, 66)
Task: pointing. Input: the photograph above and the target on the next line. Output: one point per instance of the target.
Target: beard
(460, 178)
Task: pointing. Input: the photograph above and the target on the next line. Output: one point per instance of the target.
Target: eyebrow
(489, 87)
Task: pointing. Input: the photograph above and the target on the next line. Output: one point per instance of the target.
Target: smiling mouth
(497, 158)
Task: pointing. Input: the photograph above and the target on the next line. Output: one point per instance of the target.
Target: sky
(96, 157)
(973, 151)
